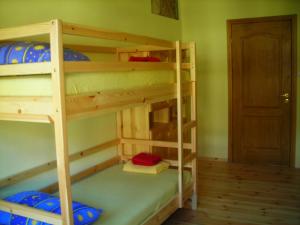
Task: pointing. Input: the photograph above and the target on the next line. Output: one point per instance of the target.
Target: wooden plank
(60, 126)
(120, 132)
(39, 109)
(148, 48)
(168, 209)
(117, 98)
(189, 125)
(185, 66)
(174, 163)
(163, 213)
(85, 173)
(248, 194)
(194, 118)
(135, 124)
(52, 165)
(26, 118)
(23, 105)
(92, 48)
(85, 31)
(163, 105)
(142, 48)
(29, 212)
(113, 100)
(179, 123)
(189, 158)
(25, 31)
(94, 150)
(187, 191)
(25, 69)
(79, 67)
(166, 144)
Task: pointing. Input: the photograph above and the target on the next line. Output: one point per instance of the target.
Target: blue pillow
(29, 52)
(83, 214)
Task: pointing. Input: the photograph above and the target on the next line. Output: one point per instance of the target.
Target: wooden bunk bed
(60, 107)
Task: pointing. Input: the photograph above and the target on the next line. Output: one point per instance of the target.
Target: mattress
(127, 198)
(81, 83)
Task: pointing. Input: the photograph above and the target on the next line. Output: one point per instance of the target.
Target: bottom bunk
(127, 198)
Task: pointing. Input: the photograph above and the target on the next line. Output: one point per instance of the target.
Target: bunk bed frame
(59, 108)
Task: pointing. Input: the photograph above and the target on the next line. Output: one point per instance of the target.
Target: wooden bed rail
(39, 109)
(149, 48)
(85, 31)
(166, 144)
(169, 208)
(52, 165)
(25, 31)
(85, 173)
(25, 69)
(42, 68)
(81, 30)
(30, 212)
(92, 48)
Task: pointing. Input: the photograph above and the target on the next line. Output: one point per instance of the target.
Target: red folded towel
(146, 159)
(143, 59)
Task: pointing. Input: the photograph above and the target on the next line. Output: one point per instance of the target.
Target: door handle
(285, 95)
(286, 98)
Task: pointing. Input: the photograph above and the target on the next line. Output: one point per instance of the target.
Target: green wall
(24, 145)
(205, 22)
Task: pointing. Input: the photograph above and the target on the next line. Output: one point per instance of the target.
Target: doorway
(262, 90)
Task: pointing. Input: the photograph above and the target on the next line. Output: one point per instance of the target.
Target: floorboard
(235, 194)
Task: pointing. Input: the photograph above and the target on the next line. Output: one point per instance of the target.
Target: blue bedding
(83, 214)
(30, 52)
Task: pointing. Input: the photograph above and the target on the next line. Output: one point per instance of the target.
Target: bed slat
(30, 212)
(77, 67)
(23, 69)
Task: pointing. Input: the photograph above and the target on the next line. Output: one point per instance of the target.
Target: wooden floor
(243, 194)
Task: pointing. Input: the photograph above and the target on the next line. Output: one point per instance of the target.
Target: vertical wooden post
(120, 132)
(60, 125)
(192, 51)
(120, 120)
(179, 124)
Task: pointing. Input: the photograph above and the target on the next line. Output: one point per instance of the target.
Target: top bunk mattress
(83, 83)
(127, 198)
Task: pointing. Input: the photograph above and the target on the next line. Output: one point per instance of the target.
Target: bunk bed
(64, 105)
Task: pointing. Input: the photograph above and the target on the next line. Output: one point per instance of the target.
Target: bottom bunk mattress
(127, 198)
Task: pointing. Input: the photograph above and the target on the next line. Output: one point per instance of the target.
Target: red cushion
(146, 159)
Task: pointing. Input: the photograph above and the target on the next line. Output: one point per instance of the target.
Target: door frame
(293, 100)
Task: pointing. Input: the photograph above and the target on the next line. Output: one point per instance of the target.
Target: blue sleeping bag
(31, 52)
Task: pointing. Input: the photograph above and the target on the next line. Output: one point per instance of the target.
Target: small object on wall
(168, 8)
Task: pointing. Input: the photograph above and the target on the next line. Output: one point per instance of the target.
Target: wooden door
(261, 90)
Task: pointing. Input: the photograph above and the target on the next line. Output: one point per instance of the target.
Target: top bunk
(24, 98)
